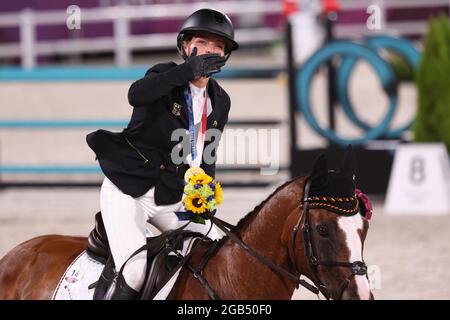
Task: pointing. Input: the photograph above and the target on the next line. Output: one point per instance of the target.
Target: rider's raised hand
(205, 64)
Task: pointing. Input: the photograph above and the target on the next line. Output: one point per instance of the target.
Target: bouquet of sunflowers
(203, 195)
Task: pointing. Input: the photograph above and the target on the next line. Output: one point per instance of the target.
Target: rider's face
(205, 43)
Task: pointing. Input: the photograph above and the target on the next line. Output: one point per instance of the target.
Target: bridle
(357, 267)
(303, 223)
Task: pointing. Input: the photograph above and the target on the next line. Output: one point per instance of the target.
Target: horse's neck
(267, 224)
(262, 231)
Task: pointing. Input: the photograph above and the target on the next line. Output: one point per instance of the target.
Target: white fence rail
(122, 42)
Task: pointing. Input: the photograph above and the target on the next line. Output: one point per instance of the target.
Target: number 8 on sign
(417, 172)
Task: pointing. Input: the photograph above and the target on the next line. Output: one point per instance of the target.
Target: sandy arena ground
(409, 255)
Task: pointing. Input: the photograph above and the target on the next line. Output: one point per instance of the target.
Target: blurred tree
(433, 83)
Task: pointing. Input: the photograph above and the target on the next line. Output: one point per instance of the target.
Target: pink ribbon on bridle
(362, 197)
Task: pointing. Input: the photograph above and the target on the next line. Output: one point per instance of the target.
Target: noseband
(356, 268)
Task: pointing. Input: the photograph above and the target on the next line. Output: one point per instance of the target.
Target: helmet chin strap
(227, 56)
(181, 53)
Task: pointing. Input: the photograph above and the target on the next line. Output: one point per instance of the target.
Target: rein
(357, 267)
(226, 227)
(275, 268)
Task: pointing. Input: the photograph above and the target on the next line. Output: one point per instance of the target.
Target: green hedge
(433, 83)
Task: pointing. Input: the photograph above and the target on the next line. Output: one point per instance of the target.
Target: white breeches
(125, 219)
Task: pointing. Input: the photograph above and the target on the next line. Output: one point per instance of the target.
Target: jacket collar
(214, 91)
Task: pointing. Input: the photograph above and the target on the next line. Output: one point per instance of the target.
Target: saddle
(162, 258)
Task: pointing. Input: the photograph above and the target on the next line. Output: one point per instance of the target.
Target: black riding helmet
(212, 21)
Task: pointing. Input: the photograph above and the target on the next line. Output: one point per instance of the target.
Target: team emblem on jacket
(176, 109)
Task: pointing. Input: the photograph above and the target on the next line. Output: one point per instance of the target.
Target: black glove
(204, 65)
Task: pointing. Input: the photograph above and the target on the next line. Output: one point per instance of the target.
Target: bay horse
(308, 226)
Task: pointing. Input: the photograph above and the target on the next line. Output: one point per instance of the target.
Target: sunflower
(218, 193)
(195, 203)
(200, 178)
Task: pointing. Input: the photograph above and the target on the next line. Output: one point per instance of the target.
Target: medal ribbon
(188, 98)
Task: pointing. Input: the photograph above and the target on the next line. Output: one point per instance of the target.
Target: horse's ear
(320, 166)
(348, 163)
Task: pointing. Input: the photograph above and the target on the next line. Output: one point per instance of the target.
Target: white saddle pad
(84, 271)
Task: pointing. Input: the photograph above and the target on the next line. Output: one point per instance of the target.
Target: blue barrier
(39, 169)
(71, 74)
(61, 124)
(74, 124)
(115, 74)
(399, 46)
(86, 169)
(357, 51)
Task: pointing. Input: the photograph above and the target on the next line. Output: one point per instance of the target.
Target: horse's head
(333, 226)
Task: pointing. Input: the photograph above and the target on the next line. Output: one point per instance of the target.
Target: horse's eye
(322, 230)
